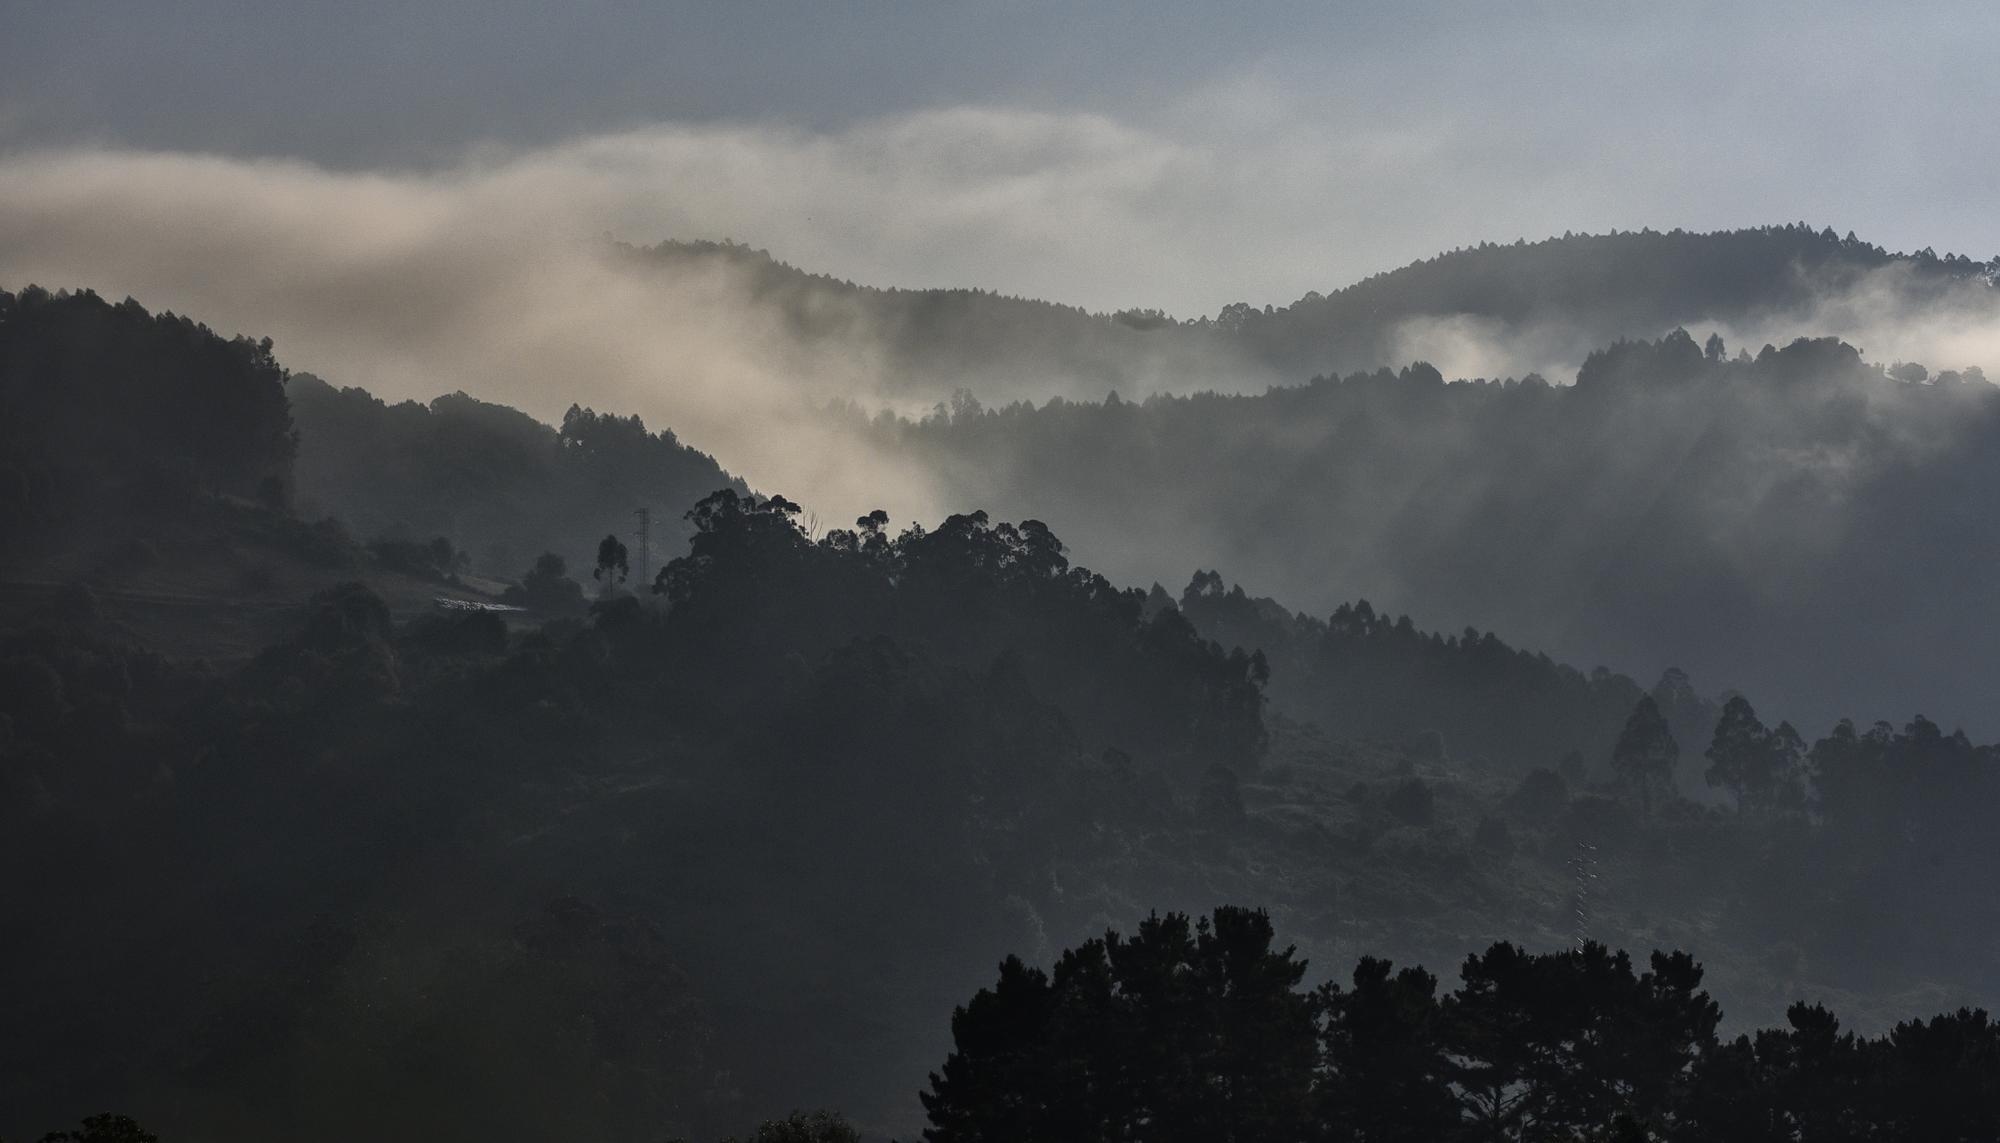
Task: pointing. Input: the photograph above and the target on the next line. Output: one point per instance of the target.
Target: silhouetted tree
(802, 1127)
(612, 567)
(1571, 1045)
(1185, 1031)
(1643, 760)
(1764, 768)
(1385, 1076)
(547, 587)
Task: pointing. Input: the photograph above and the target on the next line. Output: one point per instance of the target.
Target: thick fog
(492, 275)
(1882, 311)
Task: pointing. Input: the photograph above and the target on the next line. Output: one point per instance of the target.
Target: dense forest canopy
(867, 758)
(109, 411)
(104, 404)
(1757, 520)
(1359, 674)
(499, 484)
(1578, 1044)
(891, 733)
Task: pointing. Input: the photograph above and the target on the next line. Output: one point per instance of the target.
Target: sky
(1163, 154)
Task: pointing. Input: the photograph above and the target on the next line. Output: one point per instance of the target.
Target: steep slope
(498, 484)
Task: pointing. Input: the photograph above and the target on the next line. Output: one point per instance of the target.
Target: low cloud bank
(493, 275)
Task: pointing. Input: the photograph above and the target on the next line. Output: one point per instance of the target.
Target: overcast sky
(1167, 154)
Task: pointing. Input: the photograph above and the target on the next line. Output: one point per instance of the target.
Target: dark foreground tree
(612, 562)
(1196, 1031)
(1185, 1031)
(1558, 1045)
(1384, 1077)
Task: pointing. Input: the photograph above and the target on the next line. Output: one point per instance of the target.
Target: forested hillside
(499, 484)
(921, 344)
(1363, 675)
(108, 406)
(1543, 303)
(764, 839)
(1581, 291)
(735, 838)
(1797, 523)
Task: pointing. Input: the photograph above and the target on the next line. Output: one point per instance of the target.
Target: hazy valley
(663, 841)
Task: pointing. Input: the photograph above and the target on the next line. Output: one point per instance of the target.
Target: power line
(1583, 864)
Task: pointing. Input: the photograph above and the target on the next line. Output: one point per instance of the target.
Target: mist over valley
(808, 575)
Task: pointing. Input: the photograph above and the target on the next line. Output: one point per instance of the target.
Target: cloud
(488, 273)
(1475, 345)
(1889, 313)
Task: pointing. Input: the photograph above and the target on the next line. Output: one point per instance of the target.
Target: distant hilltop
(1581, 290)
